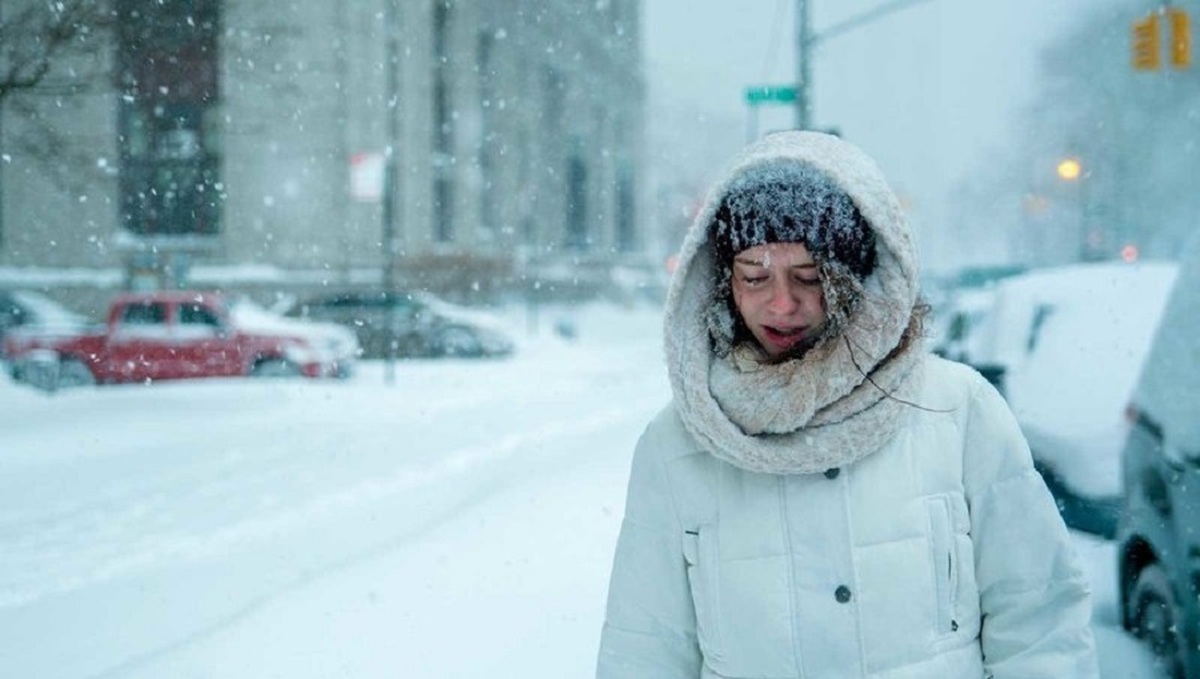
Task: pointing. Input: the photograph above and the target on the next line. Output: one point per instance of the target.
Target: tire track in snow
(463, 465)
(125, 526)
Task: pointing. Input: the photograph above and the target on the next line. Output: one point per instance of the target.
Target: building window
(577, 233)
(554, 89)
(626, 228)
(167, 71)
(443, 213)
(443, 132)
(443, 126)
(487, 145)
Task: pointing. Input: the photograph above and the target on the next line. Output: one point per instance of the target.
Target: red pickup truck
(168, 335)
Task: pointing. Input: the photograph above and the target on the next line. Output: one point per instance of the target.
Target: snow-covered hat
(791, 201)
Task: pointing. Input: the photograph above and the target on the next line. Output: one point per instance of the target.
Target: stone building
(247, 133)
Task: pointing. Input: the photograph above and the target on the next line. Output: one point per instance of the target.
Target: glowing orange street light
(1069, 169)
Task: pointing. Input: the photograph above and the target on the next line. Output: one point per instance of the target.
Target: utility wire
(862, 19)
(773, 40)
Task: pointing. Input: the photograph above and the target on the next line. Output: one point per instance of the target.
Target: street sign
(777, 94)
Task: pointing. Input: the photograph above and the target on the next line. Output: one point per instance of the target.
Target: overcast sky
(928, 90)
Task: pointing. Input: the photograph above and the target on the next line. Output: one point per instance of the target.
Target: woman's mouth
(783, 338)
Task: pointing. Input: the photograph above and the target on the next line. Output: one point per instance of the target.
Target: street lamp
(1071, 170)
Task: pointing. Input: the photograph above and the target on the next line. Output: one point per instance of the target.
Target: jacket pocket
(945, 563)
(701, 555)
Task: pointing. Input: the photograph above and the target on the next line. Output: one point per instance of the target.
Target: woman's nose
(782, 301)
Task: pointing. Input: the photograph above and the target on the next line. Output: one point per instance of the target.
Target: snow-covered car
(425, 326)
(957, 335)
(1071, 341)
(168, 335)
(28, 310)
(1158, 544)
(960, 322)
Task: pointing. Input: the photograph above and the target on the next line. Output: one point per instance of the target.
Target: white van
(1158, 555)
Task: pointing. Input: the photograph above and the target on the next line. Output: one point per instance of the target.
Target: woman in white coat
(822, 498)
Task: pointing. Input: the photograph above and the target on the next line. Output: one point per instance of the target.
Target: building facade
(500, 139)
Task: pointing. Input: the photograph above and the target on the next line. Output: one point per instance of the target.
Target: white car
(961, 317)
(25, 308)
(1071, 341)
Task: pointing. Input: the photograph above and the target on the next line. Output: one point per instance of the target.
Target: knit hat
(790, 201)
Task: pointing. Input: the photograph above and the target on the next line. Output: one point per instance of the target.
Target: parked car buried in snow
(1070, 341)
(1158, 544)
(34, 312)
(424, 325)
(178, 335)
(957, 331)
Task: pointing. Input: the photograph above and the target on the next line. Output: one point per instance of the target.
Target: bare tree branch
(50, 53)
(43, 40)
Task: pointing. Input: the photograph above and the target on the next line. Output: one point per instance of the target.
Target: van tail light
(1137, 418)
(1131, 414)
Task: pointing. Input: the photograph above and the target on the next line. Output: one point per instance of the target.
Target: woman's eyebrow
(749, 261)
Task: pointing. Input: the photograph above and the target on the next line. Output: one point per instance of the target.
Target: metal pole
(390, 178)
(804, 44)
(807, 41)
(2, 161)
(1088, 251)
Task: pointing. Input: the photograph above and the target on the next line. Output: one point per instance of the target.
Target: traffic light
(1181, 37)
(1147, 45)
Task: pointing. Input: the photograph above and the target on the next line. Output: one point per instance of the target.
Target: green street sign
(770, 95)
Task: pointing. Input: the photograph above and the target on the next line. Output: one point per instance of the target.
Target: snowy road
(457, 524)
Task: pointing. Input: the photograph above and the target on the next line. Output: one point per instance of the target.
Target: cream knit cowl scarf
(822, 410)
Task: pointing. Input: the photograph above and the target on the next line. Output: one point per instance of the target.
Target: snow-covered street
(458, 523)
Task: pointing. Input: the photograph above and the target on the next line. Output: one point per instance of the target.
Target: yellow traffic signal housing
(1147, 44)
(1181, 37)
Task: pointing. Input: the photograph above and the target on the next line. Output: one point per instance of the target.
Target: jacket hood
(821, 410)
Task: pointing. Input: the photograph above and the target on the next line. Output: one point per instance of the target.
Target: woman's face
(778, 294)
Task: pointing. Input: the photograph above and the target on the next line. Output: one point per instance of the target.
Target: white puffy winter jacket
(940, 555)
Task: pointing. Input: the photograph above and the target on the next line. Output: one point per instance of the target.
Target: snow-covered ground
(458, 523)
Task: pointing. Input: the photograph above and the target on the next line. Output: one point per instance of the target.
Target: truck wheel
(1156, 618)
(275, 367)
(74, 373)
